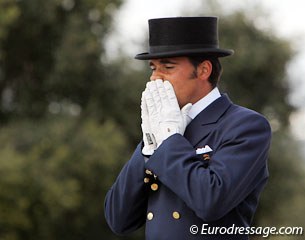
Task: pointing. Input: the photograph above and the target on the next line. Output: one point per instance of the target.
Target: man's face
(182, 75)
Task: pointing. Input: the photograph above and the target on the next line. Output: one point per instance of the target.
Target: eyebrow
(167, 61)
(163, 61)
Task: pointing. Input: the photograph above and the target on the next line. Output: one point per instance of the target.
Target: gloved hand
(149, 140)
(153, 107)
(165, 115)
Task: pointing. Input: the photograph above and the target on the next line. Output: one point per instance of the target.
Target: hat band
(169, 48)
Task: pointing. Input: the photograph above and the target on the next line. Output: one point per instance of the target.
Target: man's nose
(155, 75)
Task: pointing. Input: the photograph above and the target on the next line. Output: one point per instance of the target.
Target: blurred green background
(70, 118)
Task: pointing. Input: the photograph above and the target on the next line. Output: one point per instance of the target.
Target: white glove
(153, 109)
(165, 116)
(148, 138)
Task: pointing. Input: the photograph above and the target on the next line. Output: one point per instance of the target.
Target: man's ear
(204, 70)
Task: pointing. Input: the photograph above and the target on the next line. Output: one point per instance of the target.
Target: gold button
(148, 172)
(150, 216)
(206, 157)
(146, 180)
(176, 215)
(154, 186)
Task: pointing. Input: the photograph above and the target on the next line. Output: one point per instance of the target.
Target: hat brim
(187, 53)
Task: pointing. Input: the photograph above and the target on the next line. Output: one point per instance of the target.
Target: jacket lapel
(206, 120)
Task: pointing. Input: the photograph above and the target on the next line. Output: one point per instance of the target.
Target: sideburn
(194, 74)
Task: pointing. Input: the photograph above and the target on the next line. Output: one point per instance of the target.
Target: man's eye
(169, 67)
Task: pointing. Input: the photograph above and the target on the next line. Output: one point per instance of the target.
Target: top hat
(183, 36)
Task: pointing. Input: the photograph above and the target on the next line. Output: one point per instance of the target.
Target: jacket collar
(204, 122)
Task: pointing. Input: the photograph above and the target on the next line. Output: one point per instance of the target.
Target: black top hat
(183, 36)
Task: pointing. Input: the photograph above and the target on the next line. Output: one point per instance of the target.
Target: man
(202, 164)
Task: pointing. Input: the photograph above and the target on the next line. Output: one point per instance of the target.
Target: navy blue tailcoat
(177, 188)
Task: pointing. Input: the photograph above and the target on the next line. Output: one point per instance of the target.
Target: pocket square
(203, 150)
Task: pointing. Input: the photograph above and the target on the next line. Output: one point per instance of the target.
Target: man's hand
(148, 138)
(165, 115)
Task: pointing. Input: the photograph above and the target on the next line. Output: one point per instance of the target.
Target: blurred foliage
(54, 175)
(51, 53)
(70, 118)
(257, 76)
(8, 13)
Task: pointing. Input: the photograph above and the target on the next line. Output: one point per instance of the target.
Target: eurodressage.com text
(262, 231)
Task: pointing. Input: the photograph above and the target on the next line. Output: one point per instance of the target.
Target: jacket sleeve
(126, 201)
(236, 167)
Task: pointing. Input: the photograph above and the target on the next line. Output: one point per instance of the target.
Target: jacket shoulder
(241, 116)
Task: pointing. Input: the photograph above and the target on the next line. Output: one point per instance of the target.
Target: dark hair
(216, 67)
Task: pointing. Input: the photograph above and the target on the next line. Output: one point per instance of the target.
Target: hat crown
(197, 31)
(183, 36)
